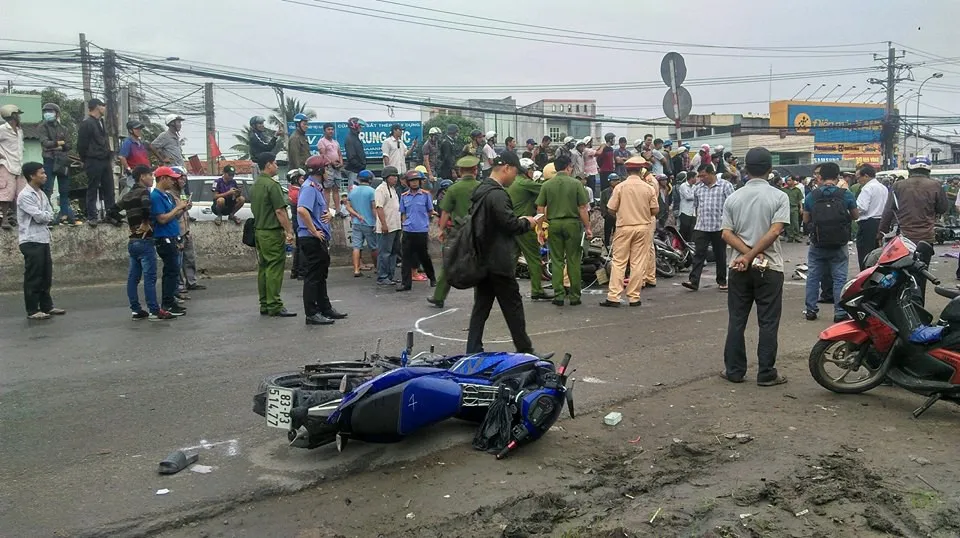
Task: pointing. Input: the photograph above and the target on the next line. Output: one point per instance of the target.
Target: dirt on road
(706, 458)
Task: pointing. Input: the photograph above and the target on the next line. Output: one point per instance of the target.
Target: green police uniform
(265, 198)
(456, 202)
(796, 200)
(563, 196)
(523, 193)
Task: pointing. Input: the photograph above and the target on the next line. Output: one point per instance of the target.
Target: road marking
(421, 330)
(231, 447)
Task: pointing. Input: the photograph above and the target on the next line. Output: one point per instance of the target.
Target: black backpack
(249, 233)
(462, 264)
(830, 219)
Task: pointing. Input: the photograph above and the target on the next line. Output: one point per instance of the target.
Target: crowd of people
(522, 202)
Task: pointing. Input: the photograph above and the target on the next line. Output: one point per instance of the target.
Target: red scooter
(891, 336)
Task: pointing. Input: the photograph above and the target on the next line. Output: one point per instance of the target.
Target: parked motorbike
(891, 335)
(594, 259)
(515, 397)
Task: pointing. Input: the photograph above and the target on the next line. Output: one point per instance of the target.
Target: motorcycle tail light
(888, 281)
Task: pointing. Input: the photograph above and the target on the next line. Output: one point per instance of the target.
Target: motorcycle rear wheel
(665, 268)
(849, 358)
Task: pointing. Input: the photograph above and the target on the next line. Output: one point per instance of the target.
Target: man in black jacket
(356, 158)
(448, 153)
(260, 141)
(497, 227)
(94, 150)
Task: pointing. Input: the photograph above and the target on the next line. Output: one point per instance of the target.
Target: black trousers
(609, 225)
(702, 241)
(168, 252)
(507, 293)
(867, 242)
(415, 254)
(686, 226)
(37, 277)
(99, 181)
(297, 268)
(315, 266)
(766, 290)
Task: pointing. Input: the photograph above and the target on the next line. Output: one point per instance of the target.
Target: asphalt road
(92, 401)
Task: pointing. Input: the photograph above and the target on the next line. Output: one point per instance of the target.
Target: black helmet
(475, 133)
(257, 119)
(134, 124)
(50, 106)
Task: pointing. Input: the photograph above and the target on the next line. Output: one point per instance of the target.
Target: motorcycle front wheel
(665, 268)
(847, 368)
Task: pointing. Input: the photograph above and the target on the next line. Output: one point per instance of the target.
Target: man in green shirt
(796, 201)
(564, 202)
(523, 193)
(454, 208)
(272, 230)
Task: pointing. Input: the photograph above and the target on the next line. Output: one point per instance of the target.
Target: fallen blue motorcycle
(515, 397)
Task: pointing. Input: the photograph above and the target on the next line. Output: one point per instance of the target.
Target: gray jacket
(52, 132)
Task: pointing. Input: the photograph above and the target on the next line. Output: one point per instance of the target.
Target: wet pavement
(92, 401)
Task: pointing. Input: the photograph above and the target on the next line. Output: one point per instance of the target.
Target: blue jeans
(387, 256)
(143, 262)
(832, 264)
(63, 187)
(168, 252)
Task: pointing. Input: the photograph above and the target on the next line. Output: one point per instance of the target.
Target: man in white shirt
(395, 152)
(871, 201)
(489, 154)
(386, 202)
(11, 159)
(688, 212)
(34, 214)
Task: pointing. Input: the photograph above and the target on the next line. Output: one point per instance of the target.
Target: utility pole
(85, 67)
(891, 120)
(211, 126)
(111, 96)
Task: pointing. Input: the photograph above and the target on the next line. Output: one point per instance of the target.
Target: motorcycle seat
(947, 292)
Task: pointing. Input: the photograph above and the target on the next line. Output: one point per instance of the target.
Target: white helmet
(7, 111)
(490, 134)
(170, 118)
(568, 139)
(538, 175)
(434, 130)
(295, 173)
(718, 149)
(527, 163)
(587, 139)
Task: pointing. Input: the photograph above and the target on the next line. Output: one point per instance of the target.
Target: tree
(291, 107)
(465, 124)
(243, 142)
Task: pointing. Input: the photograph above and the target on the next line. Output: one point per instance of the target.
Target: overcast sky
(282, 37)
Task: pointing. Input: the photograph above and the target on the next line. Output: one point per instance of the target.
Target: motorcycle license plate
(279, 404)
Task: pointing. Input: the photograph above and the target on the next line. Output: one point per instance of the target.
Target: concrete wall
(85, 255)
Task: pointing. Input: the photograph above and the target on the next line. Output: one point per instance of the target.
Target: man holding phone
(227, 196)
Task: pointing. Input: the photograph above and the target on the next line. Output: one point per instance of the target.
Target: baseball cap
(531, 141)
(166, 171)
(365, 176)
(229, 170)
(508, 158)
(758, 156)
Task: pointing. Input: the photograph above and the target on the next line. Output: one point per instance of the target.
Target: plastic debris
(919, 460)
(163, 491)
(411, 515)
(802, 512)
(657, 513)
(613, 418)
(635, 441)
(202, 469)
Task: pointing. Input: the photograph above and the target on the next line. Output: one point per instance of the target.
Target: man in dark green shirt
(272, 230)
(454, 208)
(564, 202)
(523, 193)
(796, 201)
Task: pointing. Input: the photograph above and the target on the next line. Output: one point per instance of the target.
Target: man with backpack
(827, 212)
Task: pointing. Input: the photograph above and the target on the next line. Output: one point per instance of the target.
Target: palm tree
(243, 143)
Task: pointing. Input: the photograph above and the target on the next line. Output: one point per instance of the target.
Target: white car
(201, 187)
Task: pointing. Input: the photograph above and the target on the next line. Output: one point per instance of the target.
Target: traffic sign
(685, 104)
(679, 69)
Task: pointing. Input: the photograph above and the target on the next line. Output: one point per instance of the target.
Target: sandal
(779, 380)
(722, 287)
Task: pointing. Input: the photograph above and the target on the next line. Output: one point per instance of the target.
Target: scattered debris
(919, 460)
(202, 469)
(612, 419)
(745, 516)
(556, 428)
(635, 441)
(446, 496)
(657, 513)
(802, 512)
(588, 471)
(924, 480)
(407, 504)
(163, 491)
(411, 515)
(741, 438)
(658, 384)
(791, 396)
(627, 495)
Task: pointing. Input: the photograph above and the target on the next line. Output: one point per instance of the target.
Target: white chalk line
(421, 330)
(231, 447)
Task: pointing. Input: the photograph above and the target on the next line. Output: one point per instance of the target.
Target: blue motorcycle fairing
(491, 364)
(427, 400)
(383, 381)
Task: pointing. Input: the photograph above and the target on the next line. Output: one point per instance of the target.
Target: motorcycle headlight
(846, 287)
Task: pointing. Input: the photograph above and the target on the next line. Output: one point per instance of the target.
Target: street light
(916, 147)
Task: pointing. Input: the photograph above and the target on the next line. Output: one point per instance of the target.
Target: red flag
(212, 146)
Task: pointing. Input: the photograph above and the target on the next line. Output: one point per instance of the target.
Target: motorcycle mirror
(410, 341)
(343, 384)
(569, 396)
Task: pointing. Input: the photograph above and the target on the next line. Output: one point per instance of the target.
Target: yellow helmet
(549, 171)
(422, 169)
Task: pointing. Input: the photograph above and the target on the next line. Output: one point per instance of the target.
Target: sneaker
(161, 315)
(541, 297)
(183, 296)
(192, 287)
(608, 302)
(810, 315)
(690, 285)
(435, 302)
(56, 311)
(142, 314)
(177, 310)
(39, 315)
(93, 223)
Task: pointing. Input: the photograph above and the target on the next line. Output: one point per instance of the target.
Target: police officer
(454, 208)
(416, 208)
(523, 193)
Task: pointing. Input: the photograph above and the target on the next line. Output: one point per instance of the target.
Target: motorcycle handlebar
(926, 274)
(564, 362)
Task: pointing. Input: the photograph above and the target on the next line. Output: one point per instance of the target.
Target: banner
(372, 135)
